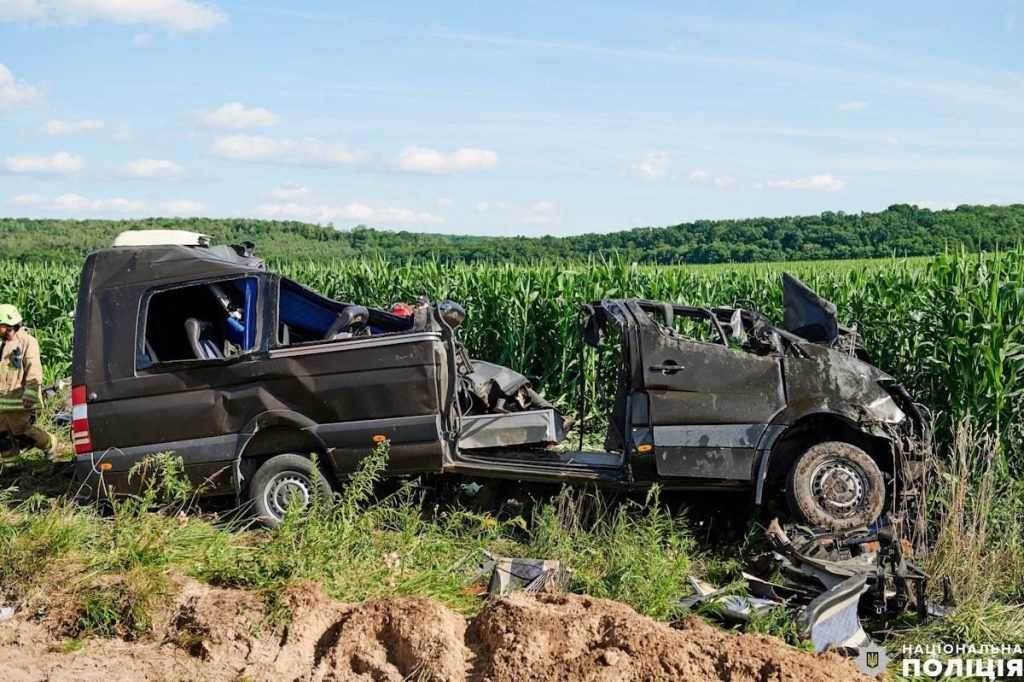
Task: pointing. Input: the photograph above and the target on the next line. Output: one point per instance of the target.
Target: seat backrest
(201, 339)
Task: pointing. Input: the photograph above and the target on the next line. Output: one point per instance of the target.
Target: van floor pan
(533, 427)
(560, 460)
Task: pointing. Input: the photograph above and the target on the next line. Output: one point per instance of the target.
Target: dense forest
(900, 230)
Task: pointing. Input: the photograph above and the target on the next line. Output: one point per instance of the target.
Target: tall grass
(975, 541)
(114, 575)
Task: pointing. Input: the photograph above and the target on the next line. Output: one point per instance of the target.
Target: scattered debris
(829, 579)
(731, 607)
(831, 620)
(530, 575)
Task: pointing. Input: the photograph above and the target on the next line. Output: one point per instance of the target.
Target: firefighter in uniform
(21, 372)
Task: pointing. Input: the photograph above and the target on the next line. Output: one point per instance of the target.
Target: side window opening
(207, 321)
(721, 327)
(692, 324)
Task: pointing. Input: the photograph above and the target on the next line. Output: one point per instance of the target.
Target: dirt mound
(217, 634)
(575, 637)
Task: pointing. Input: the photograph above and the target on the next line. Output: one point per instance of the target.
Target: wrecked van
(271, 392)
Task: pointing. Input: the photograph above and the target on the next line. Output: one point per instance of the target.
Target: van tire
(279, 479)
(836, 485)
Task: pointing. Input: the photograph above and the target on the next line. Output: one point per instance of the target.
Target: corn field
(951, 328)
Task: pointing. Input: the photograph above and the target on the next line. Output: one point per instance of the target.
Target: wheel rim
(283, 489)
(839, 487)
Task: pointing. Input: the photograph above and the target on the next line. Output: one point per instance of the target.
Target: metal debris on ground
(531, 575)
(830, 579)
(731, 607)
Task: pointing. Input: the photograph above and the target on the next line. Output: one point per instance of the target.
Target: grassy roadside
(112, 574)
(109, 574)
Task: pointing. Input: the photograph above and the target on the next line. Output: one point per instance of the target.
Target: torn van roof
(120, 265)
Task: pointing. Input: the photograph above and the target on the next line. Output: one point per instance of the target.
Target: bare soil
(220, 634)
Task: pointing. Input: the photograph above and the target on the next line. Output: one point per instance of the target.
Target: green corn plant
(950, 327)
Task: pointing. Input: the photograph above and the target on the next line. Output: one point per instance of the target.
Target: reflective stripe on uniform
(11, 405)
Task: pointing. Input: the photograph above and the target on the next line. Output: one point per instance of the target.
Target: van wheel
(284, 480)
(836, 485)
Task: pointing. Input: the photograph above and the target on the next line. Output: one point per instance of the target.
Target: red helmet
(401, 308)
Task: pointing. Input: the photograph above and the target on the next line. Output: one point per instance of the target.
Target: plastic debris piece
(531, 575)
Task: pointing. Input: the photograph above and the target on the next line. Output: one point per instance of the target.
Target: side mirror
(452, 313)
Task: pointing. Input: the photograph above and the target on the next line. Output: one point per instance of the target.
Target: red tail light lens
(80, 420)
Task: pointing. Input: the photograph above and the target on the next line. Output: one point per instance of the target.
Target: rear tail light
(80, 421)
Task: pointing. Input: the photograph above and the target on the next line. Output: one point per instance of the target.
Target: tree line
(900, 230)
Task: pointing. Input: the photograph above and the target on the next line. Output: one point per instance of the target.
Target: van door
(709, 403)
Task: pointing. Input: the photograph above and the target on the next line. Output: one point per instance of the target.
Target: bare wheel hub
(285, 489)
(839, 487)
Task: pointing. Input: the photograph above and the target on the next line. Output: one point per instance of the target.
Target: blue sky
(512, 118)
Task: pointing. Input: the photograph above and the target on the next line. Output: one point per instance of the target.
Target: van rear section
(111, 430)
(200, 351)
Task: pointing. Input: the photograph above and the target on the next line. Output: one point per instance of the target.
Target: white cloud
(720, 181)
(140, 39)
(483, 207)
(61, 163)
(236, 116)
(852, 105)
(14, 93)
(543, 213)
(936, 205)
(70, 127)
(174, 15)
(17, 10)
(353, 212)
(445, 202)
(152, 169)
(27, 200)
(123, 134)
(425, 160)
(653, 167)
(285, 152)
(76, 204)
(823, 183)
(289, 191)
(180, 207)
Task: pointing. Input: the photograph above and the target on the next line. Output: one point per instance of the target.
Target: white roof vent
(161, 238)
